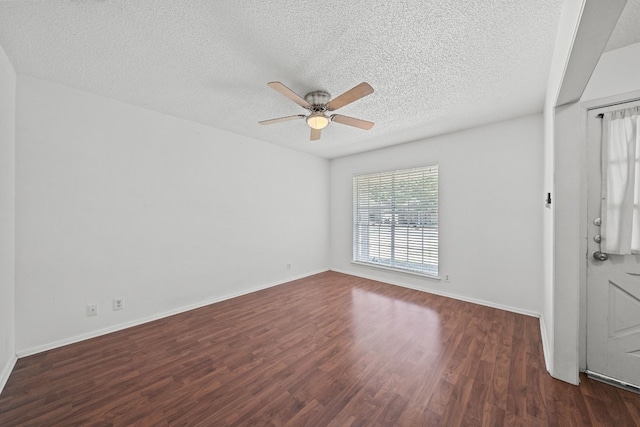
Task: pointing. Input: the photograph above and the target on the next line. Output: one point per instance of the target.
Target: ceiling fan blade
(352, 121)
(282, 119)
(283, 90)
(315, 134)
(353, 94)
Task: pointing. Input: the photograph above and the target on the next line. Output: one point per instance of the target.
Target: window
(395, 219)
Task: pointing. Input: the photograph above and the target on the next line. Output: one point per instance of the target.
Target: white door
(613, 285)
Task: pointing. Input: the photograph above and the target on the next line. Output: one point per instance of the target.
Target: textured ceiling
(436, 66)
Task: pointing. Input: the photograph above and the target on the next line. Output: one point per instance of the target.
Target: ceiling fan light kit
(317, 121)
(318, 103)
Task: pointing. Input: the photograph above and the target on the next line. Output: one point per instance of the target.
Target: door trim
(585, 107)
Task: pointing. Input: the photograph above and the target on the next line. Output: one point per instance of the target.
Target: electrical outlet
(92, 310)
(118, 304)
(447, 278)
(288, 266)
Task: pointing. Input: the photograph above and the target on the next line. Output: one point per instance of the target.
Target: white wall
(568, 160)
(115, 200)
(490, 212)
(567, 28)
(616, 74)
(7, 216)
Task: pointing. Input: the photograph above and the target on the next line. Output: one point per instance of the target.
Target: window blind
(395, 219)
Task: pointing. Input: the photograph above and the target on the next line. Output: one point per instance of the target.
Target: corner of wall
(583, 31)
(7, 217)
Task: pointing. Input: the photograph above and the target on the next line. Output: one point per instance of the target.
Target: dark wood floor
(330, 349)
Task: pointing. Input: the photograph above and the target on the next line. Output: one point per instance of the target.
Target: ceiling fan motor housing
(318, 100)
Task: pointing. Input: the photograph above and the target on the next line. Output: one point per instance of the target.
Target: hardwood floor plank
(311, 410)
(474, 413)
(460, 399)
(633, 409)
(330, 349)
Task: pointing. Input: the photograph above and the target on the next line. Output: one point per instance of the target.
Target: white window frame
(395, 220)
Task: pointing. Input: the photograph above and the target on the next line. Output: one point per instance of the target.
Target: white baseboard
(6, 371)
(445, 294)
(60, 343)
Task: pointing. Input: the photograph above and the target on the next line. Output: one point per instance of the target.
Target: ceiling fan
(318, 103)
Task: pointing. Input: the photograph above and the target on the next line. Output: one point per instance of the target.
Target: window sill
(397, 270)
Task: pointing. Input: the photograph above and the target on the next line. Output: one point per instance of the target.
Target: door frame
(609, 101)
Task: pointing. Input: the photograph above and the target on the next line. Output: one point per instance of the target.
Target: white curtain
(621, 182)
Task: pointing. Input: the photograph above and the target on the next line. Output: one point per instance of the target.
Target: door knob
(600, 256)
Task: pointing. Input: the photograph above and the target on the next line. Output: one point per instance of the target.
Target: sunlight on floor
(383, 324)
